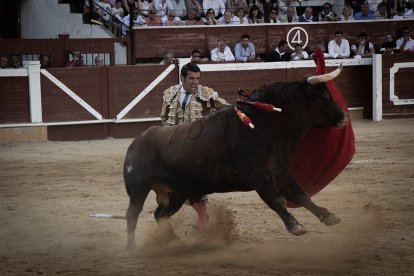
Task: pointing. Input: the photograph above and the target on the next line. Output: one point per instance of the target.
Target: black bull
(219, 154)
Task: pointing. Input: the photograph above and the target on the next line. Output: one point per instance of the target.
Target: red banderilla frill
(244, 118)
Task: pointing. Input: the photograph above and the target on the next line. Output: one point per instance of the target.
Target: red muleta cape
(324, 152)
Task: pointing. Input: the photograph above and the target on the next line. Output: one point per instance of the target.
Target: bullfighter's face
(191, 82)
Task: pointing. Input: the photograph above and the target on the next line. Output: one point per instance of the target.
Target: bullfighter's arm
(164, 113)
(207, 94)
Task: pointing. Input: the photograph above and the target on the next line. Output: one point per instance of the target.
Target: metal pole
(131, 4)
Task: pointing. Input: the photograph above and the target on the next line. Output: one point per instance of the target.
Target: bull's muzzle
(344, 121)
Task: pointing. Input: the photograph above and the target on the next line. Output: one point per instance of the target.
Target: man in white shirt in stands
(338, 47)
(222, 52)
(405, 44)
(228, 18)
(137, 19)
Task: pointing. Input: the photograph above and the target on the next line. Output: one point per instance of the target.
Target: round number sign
(297, 35)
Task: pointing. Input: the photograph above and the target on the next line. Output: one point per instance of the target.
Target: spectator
(216, 5)
(283, 7)
(178, 6)
(196, 57)
(400, 13)
(136, 18)
(222, 52)
(388, 48)
(77, 59)
(381, 12)
(192, 18)
(118, 13)
(161, 7)
(16, 62)
(338, 47)
(307, 16)
(152, 19)
(290, 16)
(99, 61)
(118, 10)
(299, 53)
(346, 14)
(389, 39)
(211, 17)
(235, 5)
(355, 5)
(228, 18)
(405, 44)
(363, 48)
(241, 16)
(104, 9)
(255, 16)
(272, 18)
(409, 12)
(364, 14)
(168, 58)
(44, 61)
(251, 3)
(144, 6)
(4, 62)
(279, 54)
(171, 20)
(327, 14)
(244, 50)
(194, 5)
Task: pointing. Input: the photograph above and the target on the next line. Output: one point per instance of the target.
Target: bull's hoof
(331, 220)
(297, 229)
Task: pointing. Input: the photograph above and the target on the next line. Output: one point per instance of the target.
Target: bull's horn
(325, 77)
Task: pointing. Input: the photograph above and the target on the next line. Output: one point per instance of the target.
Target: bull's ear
(325, 77)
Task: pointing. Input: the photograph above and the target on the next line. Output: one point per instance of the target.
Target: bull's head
(338, 116)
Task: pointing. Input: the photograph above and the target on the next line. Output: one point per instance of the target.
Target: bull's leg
(168, 204)
(137, 195)
(294, 193)
(272, 197)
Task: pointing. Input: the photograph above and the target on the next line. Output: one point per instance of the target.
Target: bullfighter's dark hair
(189, 67)
(339, 32)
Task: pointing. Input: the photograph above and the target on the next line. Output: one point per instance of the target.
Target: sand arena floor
(49, 189)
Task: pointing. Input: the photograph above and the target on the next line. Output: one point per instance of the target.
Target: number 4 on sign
(296, 38)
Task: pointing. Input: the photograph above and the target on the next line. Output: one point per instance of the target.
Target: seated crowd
(337, 48)
(244, 51)
(222, 12)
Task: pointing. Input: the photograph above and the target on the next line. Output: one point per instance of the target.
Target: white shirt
(104, 10)
(160, 7)
(408, 46)
(216, 5)
(336, 50)
(233, 20)
(216, 55)
(180, 9)
(182, 96)
(140, 21)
